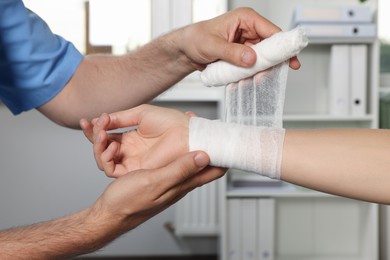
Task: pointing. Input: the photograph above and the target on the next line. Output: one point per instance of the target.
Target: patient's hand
(161, 137)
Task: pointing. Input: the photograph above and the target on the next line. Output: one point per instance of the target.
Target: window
(64, 17)
(123, 24)
(129, 24)
(206, 9)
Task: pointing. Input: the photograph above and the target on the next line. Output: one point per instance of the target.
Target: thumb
(184, 168)
(238, 54)
(177, 178)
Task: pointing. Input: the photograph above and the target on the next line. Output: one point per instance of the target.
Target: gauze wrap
(258, 100)
(249, 148)
(252, 137)
(271, 51)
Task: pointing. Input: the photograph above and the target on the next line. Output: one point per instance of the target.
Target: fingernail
(246, 58)
(201, 160)
(100, 121)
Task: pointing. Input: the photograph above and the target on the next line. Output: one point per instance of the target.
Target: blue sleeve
(35, 64)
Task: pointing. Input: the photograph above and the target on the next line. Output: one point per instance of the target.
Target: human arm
(105, 83)
(347, 162)
(352, 163)
(127, 202)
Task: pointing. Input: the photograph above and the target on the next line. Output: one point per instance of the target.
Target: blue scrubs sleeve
(35, 64)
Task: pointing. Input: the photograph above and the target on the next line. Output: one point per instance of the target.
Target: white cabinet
(307, 224)
(286, 223)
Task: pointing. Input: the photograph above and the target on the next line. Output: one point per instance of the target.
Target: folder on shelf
(330, 14)
(234, 229)
(339, 30)
(339, 94)
(248, 235)
(358, 64)
(266, 228)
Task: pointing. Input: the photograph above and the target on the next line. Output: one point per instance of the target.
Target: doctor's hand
(227, 37)
(137, 196)
(161, 135)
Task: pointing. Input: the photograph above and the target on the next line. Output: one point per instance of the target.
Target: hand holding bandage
(270, 52)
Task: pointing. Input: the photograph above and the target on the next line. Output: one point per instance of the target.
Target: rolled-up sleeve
(35, 64)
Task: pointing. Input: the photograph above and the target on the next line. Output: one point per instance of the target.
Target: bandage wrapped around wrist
(249, 148)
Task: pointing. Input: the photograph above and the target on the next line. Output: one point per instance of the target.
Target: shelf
(327, 118)
(285, 190)
(330, 40)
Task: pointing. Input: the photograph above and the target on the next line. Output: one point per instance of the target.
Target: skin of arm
(105, 83)
(347, 162)
(119, 209)
(352, 163)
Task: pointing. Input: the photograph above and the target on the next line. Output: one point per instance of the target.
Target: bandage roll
(271, 51)
(249, 148)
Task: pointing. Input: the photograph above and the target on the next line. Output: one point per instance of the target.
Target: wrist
(80, 233)
(111, 219)
(107, 222)
(176, 45)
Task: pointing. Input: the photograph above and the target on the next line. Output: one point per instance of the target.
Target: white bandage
(250, 148)
(258, 100)
(271, 51)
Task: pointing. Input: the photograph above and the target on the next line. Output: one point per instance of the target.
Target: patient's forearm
(64, 238)
(352, 163)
